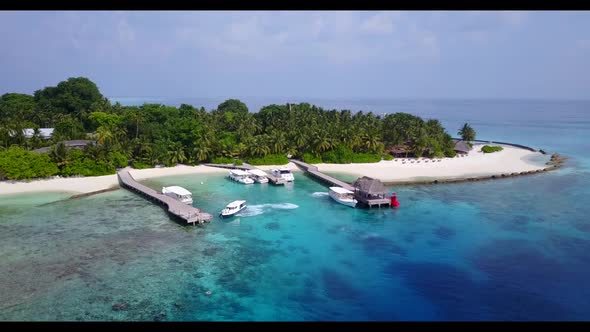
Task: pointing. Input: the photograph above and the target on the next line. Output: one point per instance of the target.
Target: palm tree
(370, 142)
(202, 152)
(322, 143)
(279, 141)
(36, 139)
(258, 148)
(4, 136)
(177, 155)
(467, 133)
(59, 154)
(137, 117)
(104, 135)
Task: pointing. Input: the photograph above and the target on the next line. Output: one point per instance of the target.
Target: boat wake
(255, 210)
(319, 194)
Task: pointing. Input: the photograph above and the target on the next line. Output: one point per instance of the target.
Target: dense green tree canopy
(152, 133)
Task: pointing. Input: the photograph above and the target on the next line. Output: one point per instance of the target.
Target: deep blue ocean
(506, 249)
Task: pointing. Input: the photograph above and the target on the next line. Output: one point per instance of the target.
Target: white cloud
(337, 37)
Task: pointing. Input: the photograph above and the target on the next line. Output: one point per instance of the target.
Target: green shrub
(80, 164)
(490, 149)
(330, 157)
(117, 159)
(140, 165)
(312, 158)
(366, 158)
(450, 153)
(271, 159)
(226, 160)
(17, 163)
(340, 155)
(387, 157)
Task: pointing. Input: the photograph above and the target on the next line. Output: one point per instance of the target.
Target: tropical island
(71, 130)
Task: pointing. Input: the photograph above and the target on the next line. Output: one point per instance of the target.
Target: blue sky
(319, 54)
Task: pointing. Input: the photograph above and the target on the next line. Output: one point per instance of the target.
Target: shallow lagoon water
(509, 249)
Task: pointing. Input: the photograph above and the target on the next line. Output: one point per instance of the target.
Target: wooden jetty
(370, 196)
(313, 170)
(177, 209)
(246, 167)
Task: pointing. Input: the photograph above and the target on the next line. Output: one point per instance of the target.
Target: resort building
(370, 192)
(461, 147)
(400, 152)
(74, 144)
(45, 132)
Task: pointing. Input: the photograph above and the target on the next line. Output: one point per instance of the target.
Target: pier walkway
(177, 209)
(367, 198)
(246, 167)
(313, 170)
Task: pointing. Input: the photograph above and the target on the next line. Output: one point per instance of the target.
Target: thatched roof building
(461, 147)
(370, 191)
(369, 186)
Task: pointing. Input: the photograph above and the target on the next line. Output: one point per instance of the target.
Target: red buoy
(394, 202)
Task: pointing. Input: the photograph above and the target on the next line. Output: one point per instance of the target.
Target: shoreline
(85, 186)
(510, 162)
(474, 166)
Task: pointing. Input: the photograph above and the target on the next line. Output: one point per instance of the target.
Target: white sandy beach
(82, 185)
(475, 164)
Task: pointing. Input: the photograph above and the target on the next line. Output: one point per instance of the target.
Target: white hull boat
(258, 175)
(240, 176)
(283, 173)
(233, 208)
(178, 193)
(343, 196)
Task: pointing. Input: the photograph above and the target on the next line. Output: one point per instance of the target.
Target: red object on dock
(394, 202)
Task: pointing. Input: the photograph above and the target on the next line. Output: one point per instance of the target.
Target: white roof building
(45, 132)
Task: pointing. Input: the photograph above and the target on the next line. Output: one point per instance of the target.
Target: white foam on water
(255, 210)
(319, 194)
(287, 206)
(251, 211)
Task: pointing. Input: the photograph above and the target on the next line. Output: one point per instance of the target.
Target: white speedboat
(284, 173)
(233, 208)
(343, 196)
(258, 175)
(240, 176)
(178, 193)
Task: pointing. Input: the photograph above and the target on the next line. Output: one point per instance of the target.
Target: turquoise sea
(507, 249)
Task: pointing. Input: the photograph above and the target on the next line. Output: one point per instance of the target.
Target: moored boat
(178, 193)
(258, 175)
(233, 208)
(343, 196)
(240, 176)
(284, 173)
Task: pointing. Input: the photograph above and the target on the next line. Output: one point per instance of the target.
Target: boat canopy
(257, 172)
(178, 190)
(341, 190)
(238, 172)
(235, 204)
